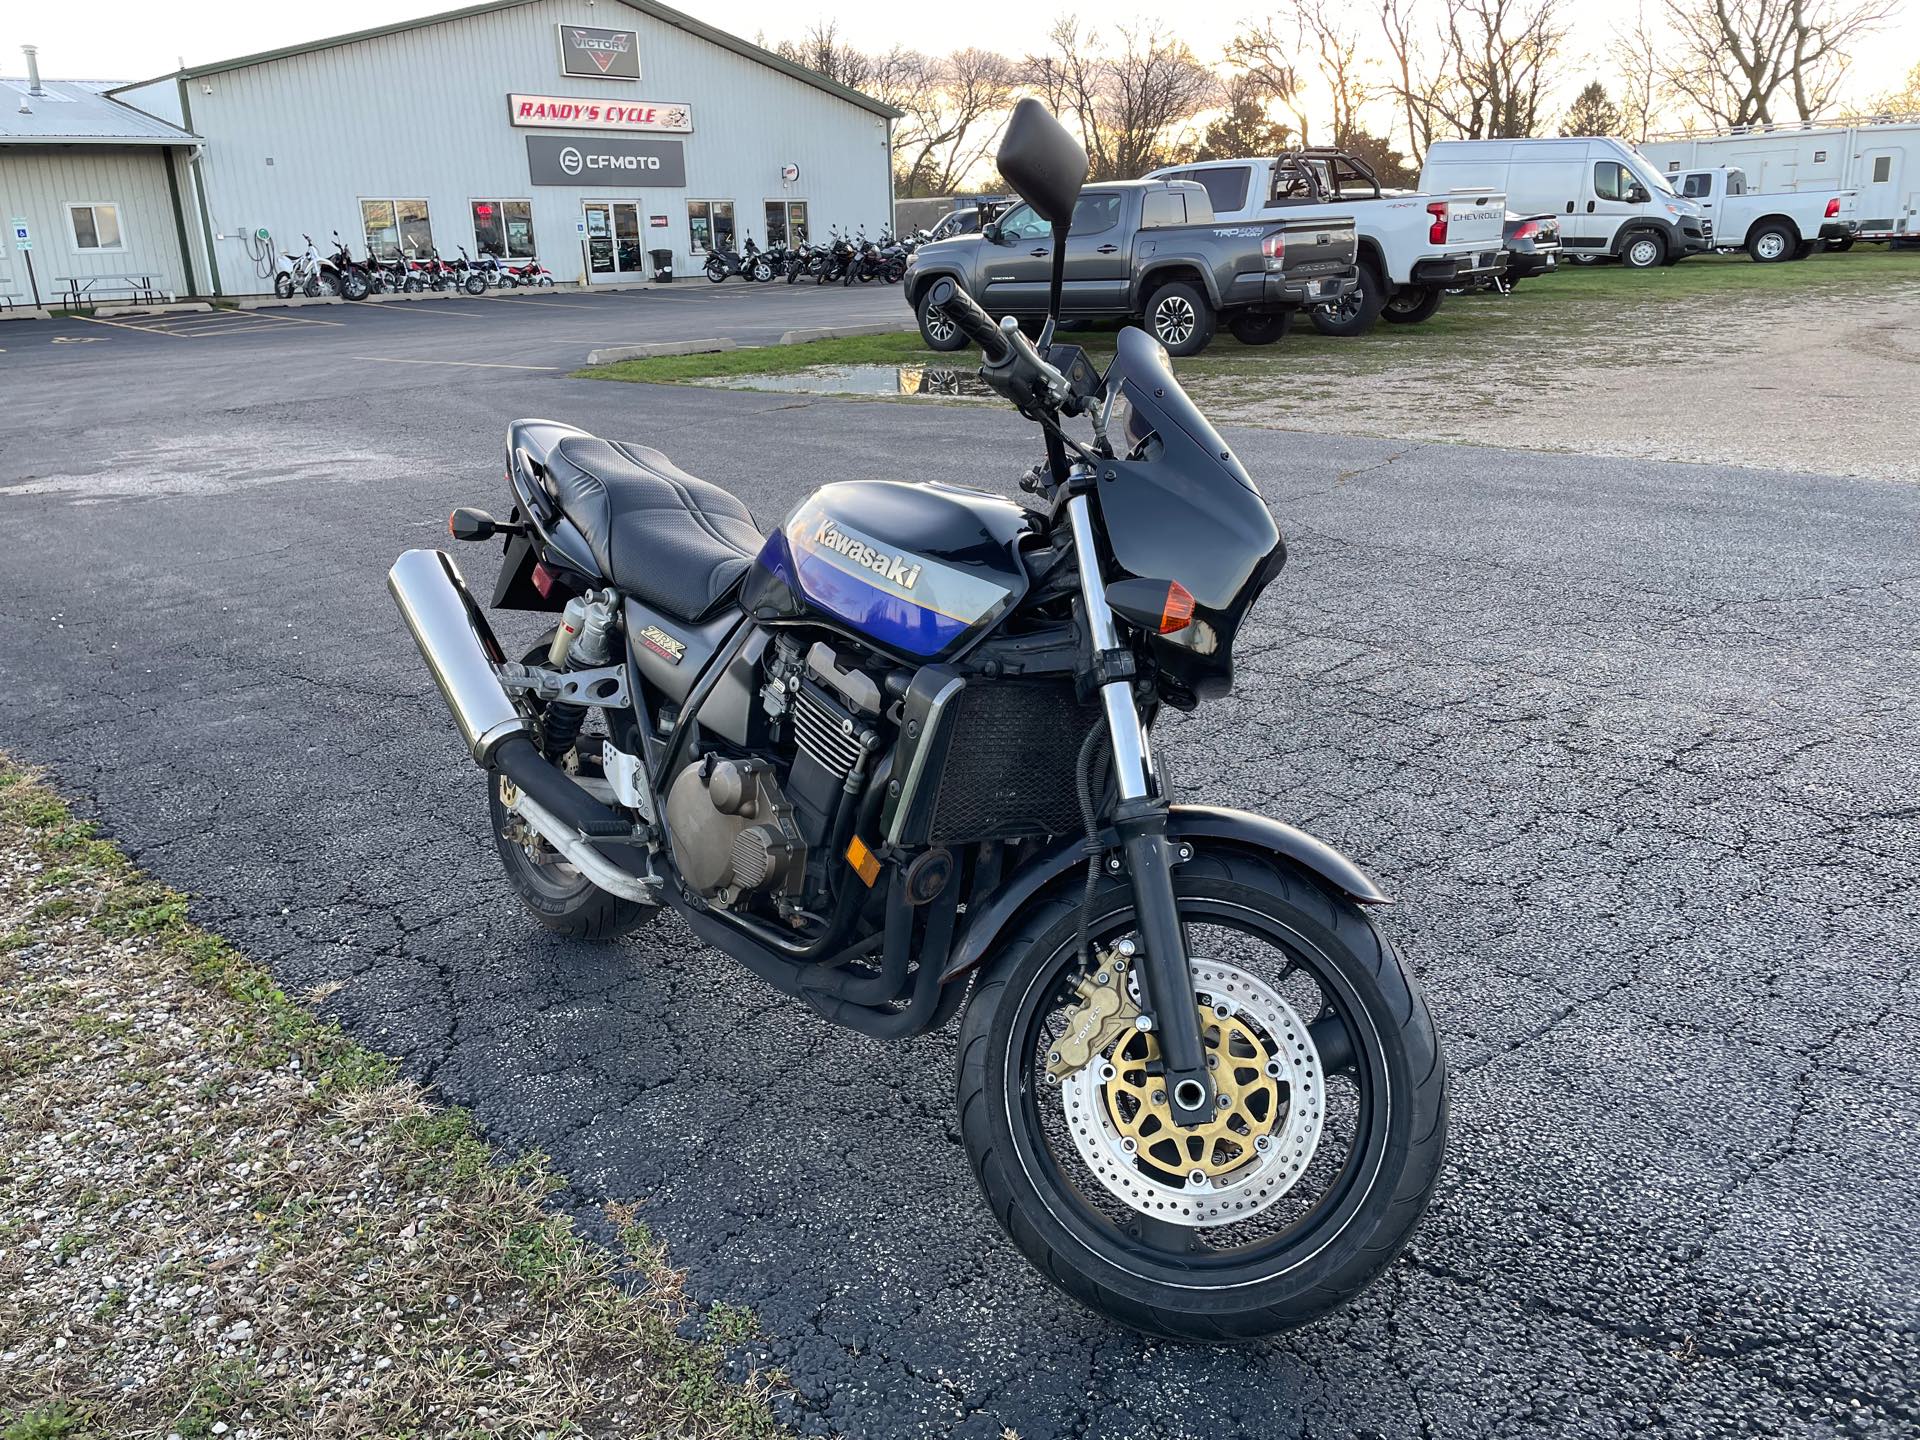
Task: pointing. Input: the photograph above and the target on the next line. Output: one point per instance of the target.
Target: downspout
(196, 174)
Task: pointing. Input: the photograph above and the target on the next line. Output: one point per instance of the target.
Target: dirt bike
(895, 759)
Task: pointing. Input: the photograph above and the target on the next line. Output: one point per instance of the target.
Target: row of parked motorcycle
(841, 259)
(313, 274)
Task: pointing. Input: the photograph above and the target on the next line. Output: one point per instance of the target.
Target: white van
(1880, 159)
(1611, 201)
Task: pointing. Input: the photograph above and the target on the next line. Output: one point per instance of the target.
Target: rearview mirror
(1042, 161)
(1637, 196)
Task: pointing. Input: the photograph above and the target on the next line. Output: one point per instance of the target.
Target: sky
(135, 39)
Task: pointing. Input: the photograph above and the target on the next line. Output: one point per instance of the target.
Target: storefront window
(776, 222)
(397, 227)
(796, 222)
(503, 229)
(710, 224)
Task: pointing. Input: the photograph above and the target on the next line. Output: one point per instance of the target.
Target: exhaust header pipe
(459, 648)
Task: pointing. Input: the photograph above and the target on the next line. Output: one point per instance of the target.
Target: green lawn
(1604, 305)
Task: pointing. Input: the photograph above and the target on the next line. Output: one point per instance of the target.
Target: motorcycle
(835, 261)
(748, 264)
(306, 273)
(895, 759)
(531, 274)
(350, 279)
(465, 274)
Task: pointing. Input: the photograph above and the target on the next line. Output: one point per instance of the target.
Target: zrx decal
(894, 569)
(663, 644)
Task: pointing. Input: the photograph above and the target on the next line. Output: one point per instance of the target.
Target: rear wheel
(1413, 304)
(1353, 314)
(716, 269)
(283, 285)
(1331, 1127)
(937, 329)
(1771, 244)
(1644, 251)
(1251, 329)
(554, 893)
(1179, 317)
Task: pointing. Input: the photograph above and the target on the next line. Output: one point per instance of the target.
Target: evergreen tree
(1389, 166)
(1243, 131)
(1592, 113)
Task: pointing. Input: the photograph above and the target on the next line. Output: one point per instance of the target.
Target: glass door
(626, 235)
(614, 249)
(600, 240)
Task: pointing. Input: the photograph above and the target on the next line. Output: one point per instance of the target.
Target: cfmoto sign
(612, 160)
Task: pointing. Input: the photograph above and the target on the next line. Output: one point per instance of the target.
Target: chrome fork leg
(1141, 819)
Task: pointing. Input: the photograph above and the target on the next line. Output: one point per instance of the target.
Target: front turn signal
(1177, 611)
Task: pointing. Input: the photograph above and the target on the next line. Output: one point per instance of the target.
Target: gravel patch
(218, 1217)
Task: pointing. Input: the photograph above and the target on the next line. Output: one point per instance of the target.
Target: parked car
(1785, 225)
(1530, 246)
(1878, 158)
(1611, 202)
(1149, 251)
(1413, 247)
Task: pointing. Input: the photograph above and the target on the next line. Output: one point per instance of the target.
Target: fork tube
(1141, 819)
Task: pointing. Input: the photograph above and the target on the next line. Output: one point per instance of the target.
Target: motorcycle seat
(670, 539)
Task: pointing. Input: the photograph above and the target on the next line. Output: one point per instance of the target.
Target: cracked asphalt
(1632, 744)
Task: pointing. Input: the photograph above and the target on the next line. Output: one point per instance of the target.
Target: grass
(1577, 303)
(399, 1274)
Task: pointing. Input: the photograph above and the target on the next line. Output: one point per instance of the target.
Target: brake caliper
(1106, 1011)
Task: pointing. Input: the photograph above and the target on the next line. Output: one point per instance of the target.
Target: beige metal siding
(423, 115)
(40, 182)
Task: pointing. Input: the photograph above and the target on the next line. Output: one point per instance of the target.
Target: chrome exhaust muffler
(459, 648)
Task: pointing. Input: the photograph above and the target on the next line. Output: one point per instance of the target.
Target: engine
(753, 830)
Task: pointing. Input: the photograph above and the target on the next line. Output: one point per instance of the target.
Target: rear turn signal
(1437, 231)
(1177, 612)
(1833, 207)
(542, 578)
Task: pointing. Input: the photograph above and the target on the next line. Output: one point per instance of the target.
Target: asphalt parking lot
(1632, 744)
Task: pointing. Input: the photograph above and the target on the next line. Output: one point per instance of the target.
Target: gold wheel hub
(1246, 1100)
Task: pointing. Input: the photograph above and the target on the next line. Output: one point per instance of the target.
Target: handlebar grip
(977, 325)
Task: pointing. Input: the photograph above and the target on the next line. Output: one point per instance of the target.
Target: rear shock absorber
(582, 642)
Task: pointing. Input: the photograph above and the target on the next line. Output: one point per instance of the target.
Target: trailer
(1879, 158)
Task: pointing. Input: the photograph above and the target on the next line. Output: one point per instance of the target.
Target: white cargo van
(1610, 200)
(1880, 159)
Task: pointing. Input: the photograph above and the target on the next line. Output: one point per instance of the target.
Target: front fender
(987, 919)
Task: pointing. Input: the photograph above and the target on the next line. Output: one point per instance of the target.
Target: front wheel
(937, 328)
(475, 283)
(1413, 304)
(354, 284)
(1330, 1081)
(763, 270)
(1644, 251)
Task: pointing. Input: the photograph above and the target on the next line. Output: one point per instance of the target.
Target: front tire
(475, 284)
(1644, 250)
(937, 330)
(1368, 1163)
(1413, 304)
(1179, 317)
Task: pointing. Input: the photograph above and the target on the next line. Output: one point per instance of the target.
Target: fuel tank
(920, 571)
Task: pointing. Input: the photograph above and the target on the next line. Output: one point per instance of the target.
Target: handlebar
(974, 322)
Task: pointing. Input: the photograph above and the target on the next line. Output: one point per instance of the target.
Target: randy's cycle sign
(606, 161)
(570, 112)
(599, 54)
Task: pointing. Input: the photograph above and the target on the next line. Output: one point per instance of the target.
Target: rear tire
(1251, 329)
(937, 330)
(555, 894)
(1413, 304)
(1113, 1255)
(1356, 313)
(283, 285)
(1771, 244)
(1179, 317)
(716, 269)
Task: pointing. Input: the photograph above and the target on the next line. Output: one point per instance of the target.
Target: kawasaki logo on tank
(895, 569)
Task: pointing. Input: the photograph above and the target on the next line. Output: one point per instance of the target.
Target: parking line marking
(467, 364)
(428, 308)
(551, 304)
(284, 319)
(137, 329)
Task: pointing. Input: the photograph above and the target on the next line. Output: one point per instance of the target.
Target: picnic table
(83, 288)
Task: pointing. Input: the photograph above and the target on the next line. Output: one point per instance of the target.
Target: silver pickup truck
(1146, 251)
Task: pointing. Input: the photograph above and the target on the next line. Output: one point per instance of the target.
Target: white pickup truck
(1783, 225)
(1413, 247)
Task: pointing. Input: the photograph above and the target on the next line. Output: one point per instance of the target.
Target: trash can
(662, 264)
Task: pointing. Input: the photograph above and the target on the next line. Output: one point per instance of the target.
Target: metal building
(588, 132)
(89, 193)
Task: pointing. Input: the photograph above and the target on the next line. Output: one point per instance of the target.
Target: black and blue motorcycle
(895, 758)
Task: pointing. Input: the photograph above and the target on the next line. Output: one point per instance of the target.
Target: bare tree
(1414, 81)
(1504, 62)
(1129, 104)
(1639, 57)
(1734, 58)
(1330, 32)
(952, 109)
(1265, 55)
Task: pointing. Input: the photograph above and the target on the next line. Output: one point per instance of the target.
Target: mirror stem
(1060, 228)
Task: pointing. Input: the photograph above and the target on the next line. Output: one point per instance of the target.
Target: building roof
(78, 112)
(659, 12)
